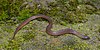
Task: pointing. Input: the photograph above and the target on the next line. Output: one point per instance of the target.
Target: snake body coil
(48, 28)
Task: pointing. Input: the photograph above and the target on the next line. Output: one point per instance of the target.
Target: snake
(49, 27)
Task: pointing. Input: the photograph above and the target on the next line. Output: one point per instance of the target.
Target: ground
(34, 37)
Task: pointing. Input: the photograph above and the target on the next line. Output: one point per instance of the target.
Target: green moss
(3, 16)
(98, 46)
(32, 38)
(73, 11)
(83, 14)
(24, 14)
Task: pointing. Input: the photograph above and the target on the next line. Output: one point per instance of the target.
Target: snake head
(85, 38)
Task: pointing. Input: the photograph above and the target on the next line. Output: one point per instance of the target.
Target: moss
(98, 46)
(32, 38)
(3, 16)
(82, 16)
(73, 11)
(24, 14)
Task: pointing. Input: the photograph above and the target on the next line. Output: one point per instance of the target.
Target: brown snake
(48, 28)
